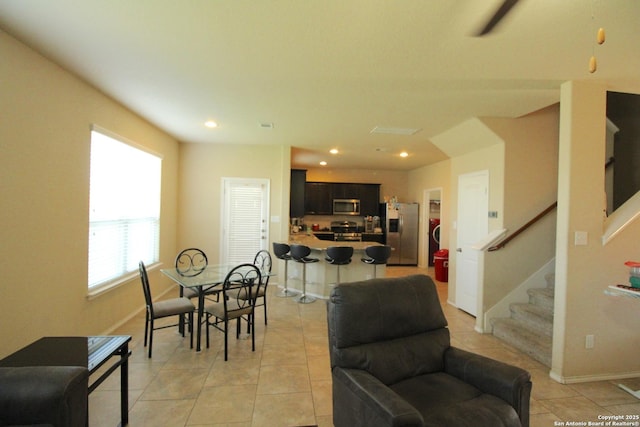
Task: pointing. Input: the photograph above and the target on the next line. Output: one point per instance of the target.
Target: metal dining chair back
(242, 279)
(191, 262)
(262, 260)
(180, 307)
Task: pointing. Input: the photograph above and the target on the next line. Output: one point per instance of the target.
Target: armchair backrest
(394, 328)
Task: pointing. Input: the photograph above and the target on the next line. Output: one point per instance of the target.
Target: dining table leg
(200, 313)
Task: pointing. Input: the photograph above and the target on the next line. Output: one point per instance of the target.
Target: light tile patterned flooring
(287, 381)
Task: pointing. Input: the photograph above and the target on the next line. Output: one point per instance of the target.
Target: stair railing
(537, 218)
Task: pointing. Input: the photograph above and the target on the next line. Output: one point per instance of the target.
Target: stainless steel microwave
(346, 206)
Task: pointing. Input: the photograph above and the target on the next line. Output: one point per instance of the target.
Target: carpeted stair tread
(543, 297)
(536, 317)
(521, 336)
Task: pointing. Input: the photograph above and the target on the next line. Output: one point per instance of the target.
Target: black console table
(90, 352)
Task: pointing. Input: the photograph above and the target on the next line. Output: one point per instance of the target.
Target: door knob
(459, 250)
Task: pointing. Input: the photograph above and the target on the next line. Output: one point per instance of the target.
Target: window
(124, 215)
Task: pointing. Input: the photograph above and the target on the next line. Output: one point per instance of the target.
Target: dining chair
(156, 310)
(189, 263)
(244, 278)
(263, 261)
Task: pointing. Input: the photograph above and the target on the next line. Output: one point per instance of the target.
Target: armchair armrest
(360, 399)
(51, 395)
(510, 383)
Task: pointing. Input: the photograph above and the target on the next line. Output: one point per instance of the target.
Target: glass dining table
(212, 275)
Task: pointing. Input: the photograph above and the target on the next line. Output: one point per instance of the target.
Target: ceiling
(322, 74)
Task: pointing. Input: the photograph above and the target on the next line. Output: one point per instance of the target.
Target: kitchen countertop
(316, 244)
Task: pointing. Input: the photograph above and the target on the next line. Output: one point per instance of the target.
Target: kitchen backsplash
(324, 221)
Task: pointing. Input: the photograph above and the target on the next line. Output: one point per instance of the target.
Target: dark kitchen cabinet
(346, 191)
(318, 198)
(296, 197)
(324, 235)
(369, 199)
(373, 237)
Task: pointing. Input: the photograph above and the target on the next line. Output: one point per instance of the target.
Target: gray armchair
(44, 395)
(392, 363)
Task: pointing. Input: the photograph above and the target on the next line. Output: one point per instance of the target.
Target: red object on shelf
(441, 262)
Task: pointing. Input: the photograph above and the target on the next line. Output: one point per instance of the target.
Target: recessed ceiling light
(210, 124)
(334, 151)
(404, 154)
(323, 163)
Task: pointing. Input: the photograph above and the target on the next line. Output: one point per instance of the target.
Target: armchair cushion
(444, 400)
(44, 395)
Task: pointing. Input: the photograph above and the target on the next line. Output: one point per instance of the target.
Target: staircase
(530, 327)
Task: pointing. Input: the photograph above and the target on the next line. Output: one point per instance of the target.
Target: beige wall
(432, 177)
(530, 186)
(44, 187)
(531, 162)
(202, 167)
(583, 272)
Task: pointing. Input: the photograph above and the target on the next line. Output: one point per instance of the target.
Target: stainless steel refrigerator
(400, 222)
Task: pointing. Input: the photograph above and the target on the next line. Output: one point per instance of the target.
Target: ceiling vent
(266, 125)
(394, 131)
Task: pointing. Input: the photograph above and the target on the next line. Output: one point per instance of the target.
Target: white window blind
(124, 216)
(246, 204)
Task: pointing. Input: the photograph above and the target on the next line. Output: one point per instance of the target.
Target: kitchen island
(321, 276)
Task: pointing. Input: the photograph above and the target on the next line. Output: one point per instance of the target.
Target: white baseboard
(590, 378)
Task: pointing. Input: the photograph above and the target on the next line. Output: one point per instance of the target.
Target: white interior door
(245, 224)
(472, 225)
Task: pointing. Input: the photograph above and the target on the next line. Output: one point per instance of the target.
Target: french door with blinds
(245, 224)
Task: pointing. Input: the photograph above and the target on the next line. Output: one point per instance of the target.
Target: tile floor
(287, 382)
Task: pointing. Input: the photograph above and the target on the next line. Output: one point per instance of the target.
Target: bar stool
(300, 253)
(281, 251)
(339, 255)
(376, 255)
